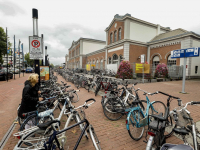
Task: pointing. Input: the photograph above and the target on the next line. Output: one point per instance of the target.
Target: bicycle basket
(182, 121)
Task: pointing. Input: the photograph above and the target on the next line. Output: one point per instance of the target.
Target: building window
(97, 64)
(111, 37)
(171, 61)
(115, 36)
(120, 58)
(119, 34)
(109, 60)
(156, 60)
(196, 69)
(115, 59)
(101, 65)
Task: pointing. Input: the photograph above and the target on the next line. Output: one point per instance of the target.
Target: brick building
(128, 38)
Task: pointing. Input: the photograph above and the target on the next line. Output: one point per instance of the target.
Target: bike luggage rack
(25, 131)
(143, 122)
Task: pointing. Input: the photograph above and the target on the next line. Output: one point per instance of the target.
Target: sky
(64, 21)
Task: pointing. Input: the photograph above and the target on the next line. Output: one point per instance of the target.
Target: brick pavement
(113, 134)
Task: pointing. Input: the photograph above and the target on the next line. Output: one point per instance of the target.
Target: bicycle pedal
(144, 141)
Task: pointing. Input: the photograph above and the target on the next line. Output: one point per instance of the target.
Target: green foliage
(161, 71)
(124, 71)
(3, 50)
(28, 60)
(51, 65)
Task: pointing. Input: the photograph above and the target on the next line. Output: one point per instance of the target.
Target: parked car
(3, 74)
(29, 69)
(16, 70)
(23, 69)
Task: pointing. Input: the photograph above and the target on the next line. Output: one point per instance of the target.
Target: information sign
(142, 58)
(178, 53)
(139, 68)
(44, 73)
(192, 52)
(35, 48)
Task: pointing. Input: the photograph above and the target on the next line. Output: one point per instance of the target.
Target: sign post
(184, 53)
(142, 62)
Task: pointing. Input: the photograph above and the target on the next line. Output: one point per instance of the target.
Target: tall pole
(19, 57)
(42, 45)
(14, 56)
(35, 34)
(184, 74)
(22, 58)
(7, 51)
(46, 56)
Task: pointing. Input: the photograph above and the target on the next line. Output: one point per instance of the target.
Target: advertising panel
(44, 73)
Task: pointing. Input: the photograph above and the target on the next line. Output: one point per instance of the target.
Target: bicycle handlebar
(192, 103)
(168, 95)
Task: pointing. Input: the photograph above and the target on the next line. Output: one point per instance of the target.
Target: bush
(124, 71)
(161, 71)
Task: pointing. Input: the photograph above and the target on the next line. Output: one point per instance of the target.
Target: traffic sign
(142, 58)
(35, 47)
(192, 52)
(189, 52)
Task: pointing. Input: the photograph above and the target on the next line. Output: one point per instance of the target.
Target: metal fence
(174, 72)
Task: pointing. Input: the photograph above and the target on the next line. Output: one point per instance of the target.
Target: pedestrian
(30, 97)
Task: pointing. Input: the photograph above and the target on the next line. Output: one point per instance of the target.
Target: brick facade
(135, 51)
(112, 29)
(96, 57)
(164, 52)
(118, 53)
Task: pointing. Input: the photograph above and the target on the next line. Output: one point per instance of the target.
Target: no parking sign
(35, 47)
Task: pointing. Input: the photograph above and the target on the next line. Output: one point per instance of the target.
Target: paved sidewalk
(113, 134)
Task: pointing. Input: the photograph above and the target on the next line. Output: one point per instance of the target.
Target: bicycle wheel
(33, 140)
(113, 109)
(158, 107)
(94, 138)
(97, 89)
(29, 122)
(76, 84)
(169, 126)
(73, 97)
(135, 132)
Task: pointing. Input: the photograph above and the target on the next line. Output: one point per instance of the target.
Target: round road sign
(35, 43)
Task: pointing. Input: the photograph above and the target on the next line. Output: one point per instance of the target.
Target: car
(23, 69)
(3, 74)
(16, 71)
(29, 69)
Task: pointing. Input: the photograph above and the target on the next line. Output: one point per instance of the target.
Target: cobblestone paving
(113, 134)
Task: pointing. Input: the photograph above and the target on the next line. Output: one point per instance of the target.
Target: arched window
(115, 36)
(171, 61)
(120, 58)
(119, 34)
(111, 37)
(97, 64)
(101, 65)
(115, 59)
(93, 62)
(156, 60)
(109, 60)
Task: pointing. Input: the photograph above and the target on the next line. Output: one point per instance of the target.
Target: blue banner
(178, 53)
(189, 52)
(8, 51)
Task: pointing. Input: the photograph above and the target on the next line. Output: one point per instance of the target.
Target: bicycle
(137, 119)
(156, 128)
(46, 135)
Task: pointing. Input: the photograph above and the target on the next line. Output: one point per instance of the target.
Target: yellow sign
(139, 68)
(93, 65)
(88, 67)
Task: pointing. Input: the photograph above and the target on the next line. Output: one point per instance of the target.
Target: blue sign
(192, 52)
(8, 51)
(189, 52)
(178, 53)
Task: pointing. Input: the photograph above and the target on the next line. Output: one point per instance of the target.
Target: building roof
(170, 34)
(122, 18)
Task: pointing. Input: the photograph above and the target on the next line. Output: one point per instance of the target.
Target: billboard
(44, 73)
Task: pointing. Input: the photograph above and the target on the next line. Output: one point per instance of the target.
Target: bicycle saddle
(45, 125)
(181, 131)
(176, 147)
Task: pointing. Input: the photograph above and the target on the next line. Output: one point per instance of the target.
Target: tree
(52, 66)
(3, 50)
(28, 60)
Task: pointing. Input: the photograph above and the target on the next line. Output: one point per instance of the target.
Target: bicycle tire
(73, 97)
(137, 114)
(113, 110)
(97, 90)
(170, 125)
(28, 120)
(94, 138)
(159, 107)
(30, 137)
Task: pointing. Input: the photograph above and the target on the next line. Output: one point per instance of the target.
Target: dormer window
(111, 37)
(115, 36)
(119, 34)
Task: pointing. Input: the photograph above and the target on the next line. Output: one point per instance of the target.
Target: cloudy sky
(62, 21)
